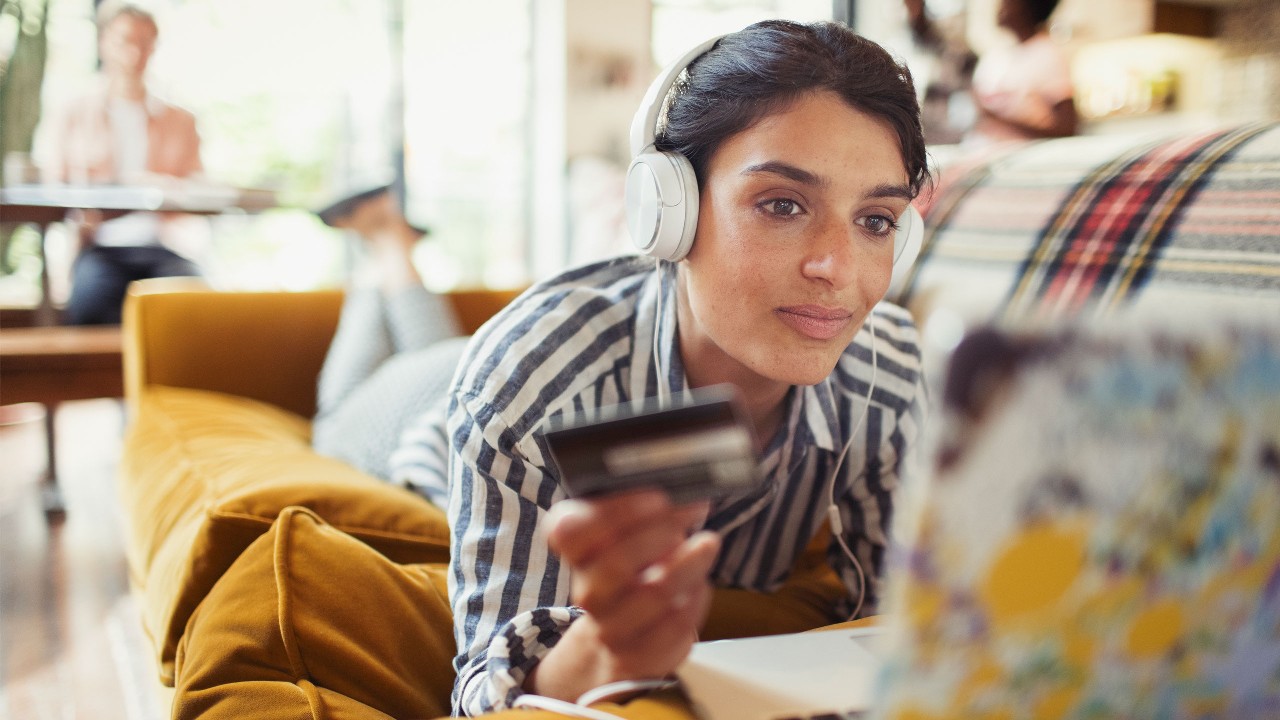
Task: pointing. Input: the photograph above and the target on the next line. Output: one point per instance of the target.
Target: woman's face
(126, 45)
(794, 244)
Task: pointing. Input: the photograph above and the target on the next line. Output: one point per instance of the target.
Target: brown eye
(781, 207)
(879, 224)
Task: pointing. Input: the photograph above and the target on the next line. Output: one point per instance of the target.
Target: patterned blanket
(1087, 226)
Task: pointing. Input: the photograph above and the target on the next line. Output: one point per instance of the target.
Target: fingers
(612, 543)
(647, 635)
(640, 570)
(651, 630)
(667, 606)
(581, 529)
(628, 564)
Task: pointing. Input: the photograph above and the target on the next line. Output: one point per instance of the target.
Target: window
(468, 138)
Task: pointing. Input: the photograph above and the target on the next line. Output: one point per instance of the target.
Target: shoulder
(893, 359)
(895, 323)
(170, 112)
(1049, 60)
(596, 294)
(558, 337)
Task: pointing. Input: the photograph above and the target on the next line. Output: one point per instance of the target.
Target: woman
(1024, 92)
(807, 148)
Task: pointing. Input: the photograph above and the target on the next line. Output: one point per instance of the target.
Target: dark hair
(765, 67)
(109, 10)
(1038, 11)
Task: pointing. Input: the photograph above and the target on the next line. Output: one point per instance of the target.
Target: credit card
(699, 447)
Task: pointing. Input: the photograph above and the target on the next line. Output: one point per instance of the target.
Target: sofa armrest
(267, 346)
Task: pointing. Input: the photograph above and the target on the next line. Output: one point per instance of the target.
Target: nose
(830, 256)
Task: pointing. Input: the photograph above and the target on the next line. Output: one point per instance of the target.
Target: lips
(815, 321)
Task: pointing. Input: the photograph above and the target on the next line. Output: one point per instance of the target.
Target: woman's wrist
(577, 663)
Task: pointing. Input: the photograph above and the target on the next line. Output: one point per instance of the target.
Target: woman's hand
(640, 572)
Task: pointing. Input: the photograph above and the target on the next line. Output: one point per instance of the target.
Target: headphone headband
(644, 125)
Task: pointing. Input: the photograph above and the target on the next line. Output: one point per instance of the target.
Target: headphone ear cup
(662, 204)
(907, 242)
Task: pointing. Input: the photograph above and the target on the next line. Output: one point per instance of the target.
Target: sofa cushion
(312, 623)
(204, 474)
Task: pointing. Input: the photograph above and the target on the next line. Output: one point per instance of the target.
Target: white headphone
(662, 188)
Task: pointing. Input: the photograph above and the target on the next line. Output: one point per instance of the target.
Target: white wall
(607, 71)
(607, 68)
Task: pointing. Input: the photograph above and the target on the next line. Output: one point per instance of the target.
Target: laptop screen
(1102, 534)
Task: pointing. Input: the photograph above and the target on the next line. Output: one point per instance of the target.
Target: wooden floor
(71, 644)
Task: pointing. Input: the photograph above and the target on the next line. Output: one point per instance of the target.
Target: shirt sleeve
(508, 592)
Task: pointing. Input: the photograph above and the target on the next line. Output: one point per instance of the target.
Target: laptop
(1100, 537)
(822, 675)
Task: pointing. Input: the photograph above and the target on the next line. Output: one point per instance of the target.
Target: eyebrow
(804, 177)
(786, 170)
(889, 190)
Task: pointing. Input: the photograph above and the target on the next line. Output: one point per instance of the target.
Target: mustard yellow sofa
(278, 583)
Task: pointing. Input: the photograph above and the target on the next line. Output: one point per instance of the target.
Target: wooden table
(43, 205)
(50, 365)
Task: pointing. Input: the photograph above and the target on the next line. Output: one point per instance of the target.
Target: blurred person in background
(119, 133)
(1024, 91)
(944, 65)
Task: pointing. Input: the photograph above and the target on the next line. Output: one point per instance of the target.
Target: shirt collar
(820, 415)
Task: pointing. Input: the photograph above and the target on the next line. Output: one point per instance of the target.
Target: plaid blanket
(1090, 225)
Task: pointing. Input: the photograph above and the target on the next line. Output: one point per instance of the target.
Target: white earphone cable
(664, 392)
(621, 690)
(542, 702)
(833, 512)
(610, 692)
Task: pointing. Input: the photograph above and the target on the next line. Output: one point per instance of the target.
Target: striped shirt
(583, 341)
